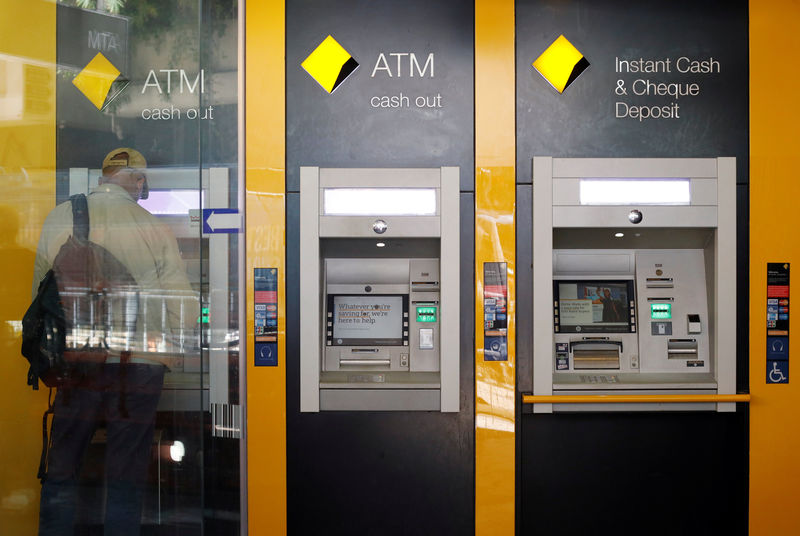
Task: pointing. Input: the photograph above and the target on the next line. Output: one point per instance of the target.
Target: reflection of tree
(152, 18)
(112, 6)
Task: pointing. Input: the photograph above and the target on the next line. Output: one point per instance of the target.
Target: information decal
(777, 322)
(266, 317)
(495, 312)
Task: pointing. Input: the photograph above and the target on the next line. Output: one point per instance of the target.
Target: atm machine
(379, 289)
(634, 277)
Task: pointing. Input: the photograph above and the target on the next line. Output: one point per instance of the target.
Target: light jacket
(168, 308)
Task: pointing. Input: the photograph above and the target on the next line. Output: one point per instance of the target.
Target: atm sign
(661, 311)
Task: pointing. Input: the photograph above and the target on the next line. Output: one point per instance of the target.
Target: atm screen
(592, 306)
(367, 320)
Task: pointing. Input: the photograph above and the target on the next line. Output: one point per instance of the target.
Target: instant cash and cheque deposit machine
(634, 279)
(379, 289)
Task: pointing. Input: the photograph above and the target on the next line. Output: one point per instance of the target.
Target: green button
(426, 314)
(661, 311)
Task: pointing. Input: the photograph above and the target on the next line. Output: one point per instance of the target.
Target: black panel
(635, 474)
(632, 473)
(380, 472)
(581, 122)
(343, 129)
(743, 288)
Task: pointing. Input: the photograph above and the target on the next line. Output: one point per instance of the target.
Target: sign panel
(495, 312)
(266, 317)
(777, 322)
(221, 220)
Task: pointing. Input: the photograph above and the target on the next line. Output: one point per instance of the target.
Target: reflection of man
(124, 396)
(612, 309)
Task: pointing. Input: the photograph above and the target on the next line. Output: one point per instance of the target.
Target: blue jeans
(126, 401)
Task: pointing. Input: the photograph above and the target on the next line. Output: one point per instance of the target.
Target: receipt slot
(379, 289)
(634, 279)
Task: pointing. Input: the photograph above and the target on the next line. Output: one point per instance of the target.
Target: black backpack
(85, 283)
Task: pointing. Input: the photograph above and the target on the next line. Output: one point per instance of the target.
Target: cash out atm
(634, 279)
(379, 289)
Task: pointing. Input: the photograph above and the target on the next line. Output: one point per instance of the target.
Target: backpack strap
(80, 217)
(42, 474)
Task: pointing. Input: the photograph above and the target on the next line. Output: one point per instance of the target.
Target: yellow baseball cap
(125, 157)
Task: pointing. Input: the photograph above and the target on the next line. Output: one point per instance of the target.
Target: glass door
(146, 121)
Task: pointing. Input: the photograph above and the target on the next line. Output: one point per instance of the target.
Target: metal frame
(313, 226)
(554, 175)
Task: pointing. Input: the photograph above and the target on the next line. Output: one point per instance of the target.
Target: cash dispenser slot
(594, 354)
(682, 349)
(365, 362)
(424, 286)
(365, 357)
(659, 282)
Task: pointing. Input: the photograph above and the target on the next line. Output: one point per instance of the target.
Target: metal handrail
(631, 399)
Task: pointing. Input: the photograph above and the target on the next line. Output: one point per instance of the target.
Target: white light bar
(379, 202)
(635, 192)
(172, 202)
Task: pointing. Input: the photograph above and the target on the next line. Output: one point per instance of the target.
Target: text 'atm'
(634, 279)
(379, 284)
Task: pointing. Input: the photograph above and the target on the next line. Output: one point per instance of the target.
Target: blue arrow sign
(221, 220)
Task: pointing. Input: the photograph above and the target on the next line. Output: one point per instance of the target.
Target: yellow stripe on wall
(265, 149)
(774, 194)
(495, 381)
(27, 173)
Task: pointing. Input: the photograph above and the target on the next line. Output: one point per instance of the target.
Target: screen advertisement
(594, 306)
(366, 320)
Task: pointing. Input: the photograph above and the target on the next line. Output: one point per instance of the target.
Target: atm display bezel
(401, 341)
(630, 307)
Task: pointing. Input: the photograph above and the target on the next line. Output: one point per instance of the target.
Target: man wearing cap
(123, 392)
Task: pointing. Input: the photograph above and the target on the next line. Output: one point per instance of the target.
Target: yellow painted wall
(265, 181)
(27, 174)
(774, 195)
(495, 195)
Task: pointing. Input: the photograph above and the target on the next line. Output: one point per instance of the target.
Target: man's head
(126, 167)
(607, 293)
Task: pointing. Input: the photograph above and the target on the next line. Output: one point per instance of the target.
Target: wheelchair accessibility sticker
(777, 372)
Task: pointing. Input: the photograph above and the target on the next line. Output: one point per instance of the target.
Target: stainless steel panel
(362, 271)
(617, 216)
(704, 192)
(310, 292)
(361, 226)
(634, 167)
(377, 177)
(450, 278)
(599, 263)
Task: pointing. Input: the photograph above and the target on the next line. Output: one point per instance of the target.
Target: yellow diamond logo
(561, 64)
(96, 79)
(330, 64)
